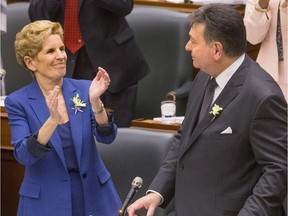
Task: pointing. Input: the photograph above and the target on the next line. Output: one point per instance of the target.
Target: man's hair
(224, 24)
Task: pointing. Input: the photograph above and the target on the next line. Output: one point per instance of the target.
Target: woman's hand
(52, 103)
(99, 85)
(263, 3)
(284, 4)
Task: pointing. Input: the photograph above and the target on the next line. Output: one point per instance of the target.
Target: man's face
(201, 52)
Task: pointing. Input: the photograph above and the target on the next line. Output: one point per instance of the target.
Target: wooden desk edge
(151, 124)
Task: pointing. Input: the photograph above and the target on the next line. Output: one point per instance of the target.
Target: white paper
(2, 98)
(178, 119)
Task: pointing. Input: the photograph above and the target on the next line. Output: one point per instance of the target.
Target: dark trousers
(122, 104)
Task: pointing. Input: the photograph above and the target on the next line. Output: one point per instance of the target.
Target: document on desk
(230, 2)
(178, 119)
(2, 98)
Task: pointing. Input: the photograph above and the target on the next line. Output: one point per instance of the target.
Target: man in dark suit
(107, 41)
(233, 160)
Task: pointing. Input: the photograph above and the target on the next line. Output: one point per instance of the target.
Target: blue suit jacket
(45, 189)
(242, 173)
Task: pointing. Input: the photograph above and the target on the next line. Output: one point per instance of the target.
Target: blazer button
(181, 166)
(84, 175)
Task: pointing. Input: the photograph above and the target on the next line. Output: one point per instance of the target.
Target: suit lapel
(227, 95)
(80, 4)
(194, 106)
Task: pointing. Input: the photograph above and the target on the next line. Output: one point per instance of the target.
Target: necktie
(208, 97)
(72, 36)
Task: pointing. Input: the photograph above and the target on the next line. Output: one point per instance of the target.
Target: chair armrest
(179, 93)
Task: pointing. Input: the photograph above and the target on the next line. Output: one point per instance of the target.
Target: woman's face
(50, 62)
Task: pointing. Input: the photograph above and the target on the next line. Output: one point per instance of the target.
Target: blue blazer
(46, 188)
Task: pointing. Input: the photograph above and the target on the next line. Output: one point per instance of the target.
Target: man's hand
(150, 202)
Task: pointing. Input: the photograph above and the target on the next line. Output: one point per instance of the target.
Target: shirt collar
(223, 78)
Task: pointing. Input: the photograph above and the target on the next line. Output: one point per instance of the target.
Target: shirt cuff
(35, 148)
(161, 197)
(108, 129)
(261, 10)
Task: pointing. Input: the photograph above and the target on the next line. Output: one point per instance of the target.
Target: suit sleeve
(268, 137)
(54, 9)
(27, 150)
(118, 7)
(46, 9)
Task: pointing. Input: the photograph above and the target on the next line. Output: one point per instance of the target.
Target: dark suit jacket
(109, 41)
(242, 173)
(46, 187)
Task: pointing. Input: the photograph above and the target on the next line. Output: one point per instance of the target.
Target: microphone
(2, 82)
(2, 73)
(136, 184)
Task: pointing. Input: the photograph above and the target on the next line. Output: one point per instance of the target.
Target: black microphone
(136, 184)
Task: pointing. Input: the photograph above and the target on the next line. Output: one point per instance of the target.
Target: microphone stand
(136, 184)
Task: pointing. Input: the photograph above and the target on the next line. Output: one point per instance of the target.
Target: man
(232, 161)
(106, 40)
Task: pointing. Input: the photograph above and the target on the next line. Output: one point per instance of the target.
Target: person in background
(100, 36)
(3, 25)
(266, 23)
(226, 159)
(54, 122)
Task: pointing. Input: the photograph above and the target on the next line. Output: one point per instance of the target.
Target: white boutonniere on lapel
(216, 110)
(78, 104)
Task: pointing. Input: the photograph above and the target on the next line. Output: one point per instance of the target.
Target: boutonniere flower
(78, 104)
(216, 110)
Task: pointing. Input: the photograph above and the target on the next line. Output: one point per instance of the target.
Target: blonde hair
(30, 39)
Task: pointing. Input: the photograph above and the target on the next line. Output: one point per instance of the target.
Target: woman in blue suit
(54, 123)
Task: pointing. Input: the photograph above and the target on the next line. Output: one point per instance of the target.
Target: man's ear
(29, 62)
(218, 50)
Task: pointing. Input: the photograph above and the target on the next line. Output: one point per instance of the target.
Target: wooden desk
(182, 7)
(154, 125)
(5, 131)
(11, 171)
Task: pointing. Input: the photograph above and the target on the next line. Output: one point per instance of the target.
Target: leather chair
(16, 75)
(162, 35)
(136, 152)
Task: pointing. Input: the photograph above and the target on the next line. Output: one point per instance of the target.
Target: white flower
(216, 110)
(78, 104)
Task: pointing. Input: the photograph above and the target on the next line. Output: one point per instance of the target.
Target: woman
(266, 23)
(53, 123)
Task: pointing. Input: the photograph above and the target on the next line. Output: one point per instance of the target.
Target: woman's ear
(29, 62)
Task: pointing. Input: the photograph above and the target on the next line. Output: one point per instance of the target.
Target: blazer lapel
(75, 119)
(38, 105)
